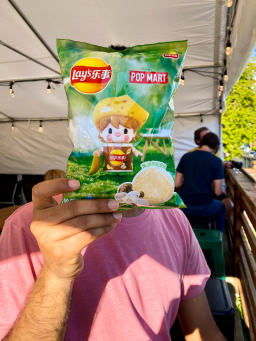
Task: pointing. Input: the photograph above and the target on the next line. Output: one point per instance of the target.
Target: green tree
(239, 118)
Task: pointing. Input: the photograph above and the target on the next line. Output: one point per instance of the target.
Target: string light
(49, 88)
(220, 109)
(221, 87)
(228, 49)
(13, 126)
(182, 78)
(229, 3)
(11, 91)
(225, 76)
(219, 93)
(201, 118)
(40, 129)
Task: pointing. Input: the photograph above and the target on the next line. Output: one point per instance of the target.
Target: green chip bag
(121, 120)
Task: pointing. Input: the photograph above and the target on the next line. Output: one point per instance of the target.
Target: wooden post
(237, 226)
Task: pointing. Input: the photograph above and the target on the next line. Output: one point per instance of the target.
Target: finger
(60, 232)
(43, 192)
(76, 208)
(66, 232)
(79, 241)
(93, 221)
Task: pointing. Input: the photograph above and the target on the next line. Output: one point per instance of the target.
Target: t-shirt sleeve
(180, 167)
(20, 262)
(218, 169)
(196, 271)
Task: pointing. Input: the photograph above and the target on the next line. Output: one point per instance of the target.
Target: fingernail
(117, 215)
(113, 205)
(73, 183)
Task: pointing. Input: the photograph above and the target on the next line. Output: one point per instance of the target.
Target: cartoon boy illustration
(117, 120)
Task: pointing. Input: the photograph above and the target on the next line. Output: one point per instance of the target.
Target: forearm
(208, 331)
(217, 187)
(209, 336)
(197, 321)
(46, 312)
(179, 179)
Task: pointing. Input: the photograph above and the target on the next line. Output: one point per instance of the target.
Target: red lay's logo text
(146, 77)
(172, 55)
(90, 75)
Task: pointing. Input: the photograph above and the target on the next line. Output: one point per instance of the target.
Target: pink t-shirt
(132, 283)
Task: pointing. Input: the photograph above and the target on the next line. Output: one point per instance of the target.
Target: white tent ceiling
(28, 32)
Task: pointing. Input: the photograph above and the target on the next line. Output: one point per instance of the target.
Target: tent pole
(28, 57)
(12, 3)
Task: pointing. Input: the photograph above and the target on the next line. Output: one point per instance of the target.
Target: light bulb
(228, 49)
(225, 77)
(229, 3)
(49, 88)
(11, 91)
(40, 129)
(182, 78)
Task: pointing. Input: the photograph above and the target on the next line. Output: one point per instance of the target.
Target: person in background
(198, 135)
(81, 271)
(198, 180)
(54, 174)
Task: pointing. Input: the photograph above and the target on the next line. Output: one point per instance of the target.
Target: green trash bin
(211, 241)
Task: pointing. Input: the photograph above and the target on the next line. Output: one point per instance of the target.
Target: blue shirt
(199, 169)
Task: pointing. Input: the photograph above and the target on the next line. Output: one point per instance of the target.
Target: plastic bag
(121, 119)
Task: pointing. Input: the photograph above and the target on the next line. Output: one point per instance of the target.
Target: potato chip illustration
(155, 182)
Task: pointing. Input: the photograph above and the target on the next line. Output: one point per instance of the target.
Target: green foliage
(239, 119)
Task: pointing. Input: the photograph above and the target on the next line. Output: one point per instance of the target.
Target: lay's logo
(172, 55)
(117, 157)
(90, 75)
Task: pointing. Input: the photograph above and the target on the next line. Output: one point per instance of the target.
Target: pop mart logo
(146, 77)
(90, 75)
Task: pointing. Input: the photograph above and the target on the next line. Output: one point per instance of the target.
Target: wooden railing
(242, 235)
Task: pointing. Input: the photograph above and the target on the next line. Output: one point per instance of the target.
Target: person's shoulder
(218, 154)
(207, 155)
(22, 211)
(187, 155)
(21, 218)
(176, 225)
(217, 159)
(191, 155)
(174, 216)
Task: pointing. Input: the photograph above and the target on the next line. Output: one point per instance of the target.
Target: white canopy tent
(28, 57)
